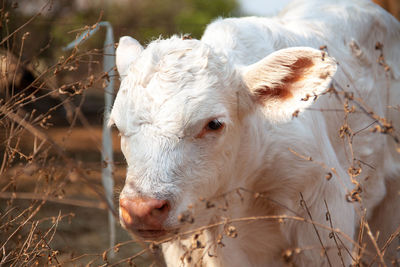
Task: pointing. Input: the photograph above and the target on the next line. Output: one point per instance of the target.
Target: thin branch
(315, 228)
(71, 202)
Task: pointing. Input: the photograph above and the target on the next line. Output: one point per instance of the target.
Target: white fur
(174, 87)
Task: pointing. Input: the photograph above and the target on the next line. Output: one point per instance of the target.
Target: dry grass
(52, 205)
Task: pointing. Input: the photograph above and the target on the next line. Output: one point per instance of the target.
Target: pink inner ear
(284, 90)
(278, 92)
(299, 70)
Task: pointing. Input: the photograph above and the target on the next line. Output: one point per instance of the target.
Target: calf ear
(127, 51)
(287, 80)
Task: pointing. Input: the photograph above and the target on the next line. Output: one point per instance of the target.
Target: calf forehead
(172, 82)
(166, 113)
(174, 61)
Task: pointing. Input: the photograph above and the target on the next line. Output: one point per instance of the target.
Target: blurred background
(52, 208)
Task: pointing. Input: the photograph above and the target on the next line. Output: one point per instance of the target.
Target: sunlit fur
(174, 87)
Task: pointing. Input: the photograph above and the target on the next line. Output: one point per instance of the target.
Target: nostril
(160, 211)
(164, 207)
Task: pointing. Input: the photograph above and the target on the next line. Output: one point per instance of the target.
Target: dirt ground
(82, 235)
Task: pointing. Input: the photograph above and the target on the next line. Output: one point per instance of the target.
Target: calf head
(180, 111)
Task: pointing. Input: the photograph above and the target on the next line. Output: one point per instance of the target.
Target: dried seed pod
(231, 231)
(327, 216)
(306, 98)
(196, 244)
(287, 255)
(153, 247)
(219, 241)
(328, 176)
(186, 217)
(354, 171)
(209, 205)
(378, 46)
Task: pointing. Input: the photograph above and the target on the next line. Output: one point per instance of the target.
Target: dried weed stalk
(28, 151)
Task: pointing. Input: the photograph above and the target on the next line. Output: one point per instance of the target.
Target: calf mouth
(146, 233)
(150, 234)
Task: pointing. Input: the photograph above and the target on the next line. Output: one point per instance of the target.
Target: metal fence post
(107, 150)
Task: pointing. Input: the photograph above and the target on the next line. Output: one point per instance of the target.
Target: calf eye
(214, 125)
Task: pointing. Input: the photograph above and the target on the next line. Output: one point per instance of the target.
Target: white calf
(227, 133)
